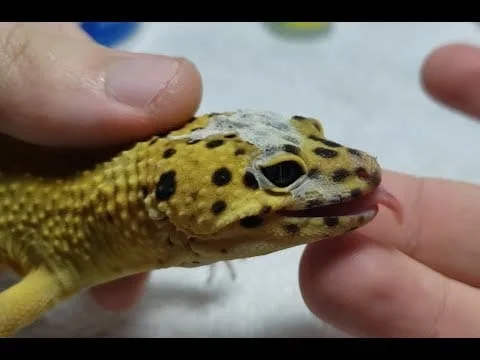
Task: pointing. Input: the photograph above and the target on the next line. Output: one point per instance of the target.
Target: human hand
(420, 278)
(58, 87)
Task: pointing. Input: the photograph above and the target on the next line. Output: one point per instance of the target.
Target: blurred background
(360, 79)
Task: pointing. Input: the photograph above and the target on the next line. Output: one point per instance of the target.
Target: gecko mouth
(353, 207)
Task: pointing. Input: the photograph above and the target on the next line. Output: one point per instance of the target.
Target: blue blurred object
(109, 33)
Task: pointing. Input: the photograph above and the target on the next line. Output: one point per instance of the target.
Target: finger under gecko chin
(121, 294)
(369, 290)
(440, 225)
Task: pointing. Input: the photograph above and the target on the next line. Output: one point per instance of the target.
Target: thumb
(60, 88)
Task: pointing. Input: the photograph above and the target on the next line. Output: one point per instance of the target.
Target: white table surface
(362, 80)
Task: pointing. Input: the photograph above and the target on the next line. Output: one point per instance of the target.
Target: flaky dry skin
(225, 186)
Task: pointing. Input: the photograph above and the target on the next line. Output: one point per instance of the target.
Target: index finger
(451, 74)
(440, 226)
(441, 217)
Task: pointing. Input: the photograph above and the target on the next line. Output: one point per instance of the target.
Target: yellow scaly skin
(71, 219)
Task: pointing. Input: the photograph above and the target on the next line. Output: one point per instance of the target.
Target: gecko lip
(353, 207)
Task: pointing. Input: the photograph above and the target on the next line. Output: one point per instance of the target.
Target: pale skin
(417, 279)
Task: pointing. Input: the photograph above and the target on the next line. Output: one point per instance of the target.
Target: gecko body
(224, 186)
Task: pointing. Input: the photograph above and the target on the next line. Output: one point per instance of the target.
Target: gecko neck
(124, 236)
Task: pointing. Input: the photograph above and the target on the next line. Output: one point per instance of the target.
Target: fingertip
(176, 98)
(340, 281)
(437, 61)
(451, 75)
(320, 270)
(175, 101)
(121, 294)
(353, 284)
(366, 289)
(92, 96)
(180, 99)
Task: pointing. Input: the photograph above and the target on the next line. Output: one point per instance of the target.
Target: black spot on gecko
(355, 193)
(166, 186)
(250, 222)
(325, 141)
(313, 172)
(110, 218)
(214, 143)
(153, 140)
(194, 195)
(239, 152)
(362, 173)
(315, 137)
(144, 190)
(163, 134)
(221, 176)
(250, 181)
(224, 251)
(62, 212)
(218, 207)
(317, 126)
(354, 152)
(311, 204)
(292, 229)
(340, 175)
(331, 221)
(291, 149)
(299, 118)
(168, 153)
(325, 153)
(230, 136)
(266, 209)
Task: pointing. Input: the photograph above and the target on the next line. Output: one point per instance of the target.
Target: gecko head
(249, 183)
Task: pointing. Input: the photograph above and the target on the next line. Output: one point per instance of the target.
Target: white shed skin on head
(269, 132)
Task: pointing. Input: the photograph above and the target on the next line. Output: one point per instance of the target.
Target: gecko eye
(283, 173)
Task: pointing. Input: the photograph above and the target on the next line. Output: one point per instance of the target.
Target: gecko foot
(212, 271)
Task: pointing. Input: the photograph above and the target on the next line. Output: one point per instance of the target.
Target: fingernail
(136, 82)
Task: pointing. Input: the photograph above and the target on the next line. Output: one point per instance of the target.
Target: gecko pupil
(284, 173)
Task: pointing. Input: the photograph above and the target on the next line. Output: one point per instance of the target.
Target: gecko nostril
(362, 174)
(373, 179)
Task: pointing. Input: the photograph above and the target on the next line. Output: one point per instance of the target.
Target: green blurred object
(300, 29)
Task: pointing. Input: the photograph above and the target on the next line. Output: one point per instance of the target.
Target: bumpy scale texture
(225, 186)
